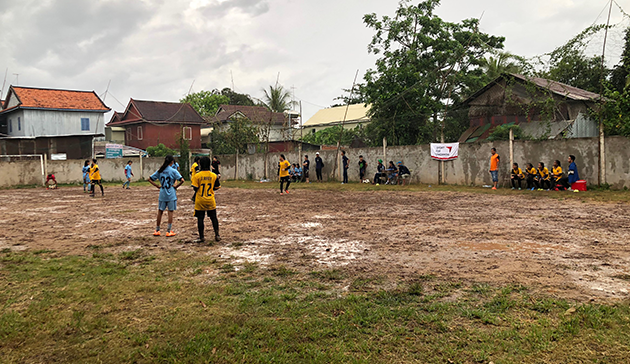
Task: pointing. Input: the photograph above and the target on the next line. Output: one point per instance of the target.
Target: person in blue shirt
(86, 176)
(572, 174)
(176, 166)
(297, 172)
(128, 174)
(170, 180)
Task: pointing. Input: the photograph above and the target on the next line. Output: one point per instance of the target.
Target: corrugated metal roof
(334, 115)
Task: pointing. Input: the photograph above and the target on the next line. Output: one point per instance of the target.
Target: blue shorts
(167, 205)
(495, 176)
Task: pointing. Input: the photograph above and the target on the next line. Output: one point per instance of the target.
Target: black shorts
(201, 213)
(96, 181)
(306, 173)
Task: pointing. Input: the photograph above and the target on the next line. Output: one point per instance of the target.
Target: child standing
(128, 174)
(95, 178)
(283, 172)
(204, 185)
(86, 176)
(170, 180)
(362, 168)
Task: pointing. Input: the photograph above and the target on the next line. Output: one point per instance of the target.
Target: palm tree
(277, 99)
(503, 63)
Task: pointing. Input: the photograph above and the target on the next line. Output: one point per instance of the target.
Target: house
(115, 134)
(149, 123)
(51, 121)
(541, 108)
(276, 125)
(356, 115)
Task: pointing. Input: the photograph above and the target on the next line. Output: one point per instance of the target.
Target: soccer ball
(576, 191)
(378, 184)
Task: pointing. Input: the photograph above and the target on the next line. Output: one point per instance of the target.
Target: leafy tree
(578, 70)
(206, 102)
(330, 136)
(615, 111)
(357, 97)
(160, 151)
(277, 99)
(241, 132)
(619, 75)
(218, 143)
(237, 99)
(503, 62)
(426, 63)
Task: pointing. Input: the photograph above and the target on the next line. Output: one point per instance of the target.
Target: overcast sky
(156, 49)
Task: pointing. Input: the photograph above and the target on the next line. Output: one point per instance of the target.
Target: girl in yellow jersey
(283, 172)
(557, 175)
(203, 182)
(530, 175)
(543, 180)
(95, 178)
(517, 176)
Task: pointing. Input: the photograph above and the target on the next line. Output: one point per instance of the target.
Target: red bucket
(579, 185)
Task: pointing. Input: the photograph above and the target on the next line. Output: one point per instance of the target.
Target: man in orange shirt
(494, 168)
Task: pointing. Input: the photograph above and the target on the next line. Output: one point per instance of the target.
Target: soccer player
(193, 170)
(516, 176)
(216, 164)
(362, 168)
(494, 167)
(51, 182)
(204, 185)
(557, 176)
(95, 178)
(530, 175)
(86, 176)
(170, 180)
(344, 163)
(128, 174)
(543, 179)
(283, 173)
(319, 165)
(305, 167)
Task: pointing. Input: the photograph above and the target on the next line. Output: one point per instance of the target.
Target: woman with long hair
(170, 180)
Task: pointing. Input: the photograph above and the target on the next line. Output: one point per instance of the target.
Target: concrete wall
(471, 168)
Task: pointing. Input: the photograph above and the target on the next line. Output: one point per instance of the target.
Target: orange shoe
(156, 233)
(170, 233)
(287, 192)
(494, 188)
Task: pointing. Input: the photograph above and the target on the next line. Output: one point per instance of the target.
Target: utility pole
(602, 141)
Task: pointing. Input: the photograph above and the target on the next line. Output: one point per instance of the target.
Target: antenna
(232, 77)
(277, 79)
(190, 89)
(106, 90)
(4, 83)
(17, 78)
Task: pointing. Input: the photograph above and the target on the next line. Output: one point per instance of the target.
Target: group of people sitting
(542, 179)
(392, 175)
(296, 173)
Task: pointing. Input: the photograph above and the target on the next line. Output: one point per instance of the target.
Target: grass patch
(86, 309)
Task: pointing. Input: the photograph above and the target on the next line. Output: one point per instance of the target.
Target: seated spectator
(51, 182)
(403, 173)
(572, 175)
(558, 176)
(543, 180)
(517, 176)
(297, 172)
(530, 176)
(380, 172)
(392, 173)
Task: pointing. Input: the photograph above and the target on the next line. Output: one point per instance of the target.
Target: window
(139, 133)
(19, 123)
(314, 131)
(187, 132)
(85, 124)
(10, 126)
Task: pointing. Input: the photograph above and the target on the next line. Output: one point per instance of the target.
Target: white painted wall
(37, 123)
(17, 128)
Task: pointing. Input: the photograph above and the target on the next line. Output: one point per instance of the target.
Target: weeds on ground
(178, 308)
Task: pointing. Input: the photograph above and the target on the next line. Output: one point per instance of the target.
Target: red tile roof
(158, 112)
(257, 114)
(41, 98)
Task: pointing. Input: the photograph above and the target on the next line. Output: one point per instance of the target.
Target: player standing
(283, 173)
(204, 185)
(86, 176)
(95, 178)
(170, 180)
(193, 170)
(128, 174)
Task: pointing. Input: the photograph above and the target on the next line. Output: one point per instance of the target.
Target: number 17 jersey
(204, 199)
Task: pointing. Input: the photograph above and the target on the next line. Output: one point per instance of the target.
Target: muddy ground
(572, 249)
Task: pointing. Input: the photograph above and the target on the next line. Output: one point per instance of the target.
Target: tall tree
(237, 98)
(426, 63)
(277, 99)
(503, 62)
(206, 102)
(620, 74)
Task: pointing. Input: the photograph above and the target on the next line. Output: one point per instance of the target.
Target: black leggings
(97, 182)
(318, 171)
(201, 215)
(287, 180)
(542, 183)
(530, 182)
(516, 179)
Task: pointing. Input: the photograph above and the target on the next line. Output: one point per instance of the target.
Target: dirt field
(577, 250)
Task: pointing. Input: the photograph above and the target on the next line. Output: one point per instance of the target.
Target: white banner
(444, 152)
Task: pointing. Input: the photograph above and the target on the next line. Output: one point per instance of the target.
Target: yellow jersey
(193, 170)
(95, 173)
(284, 168)
(532, 171)
(557, 173)
(517, 172)
(544, 173)
(204, 198)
